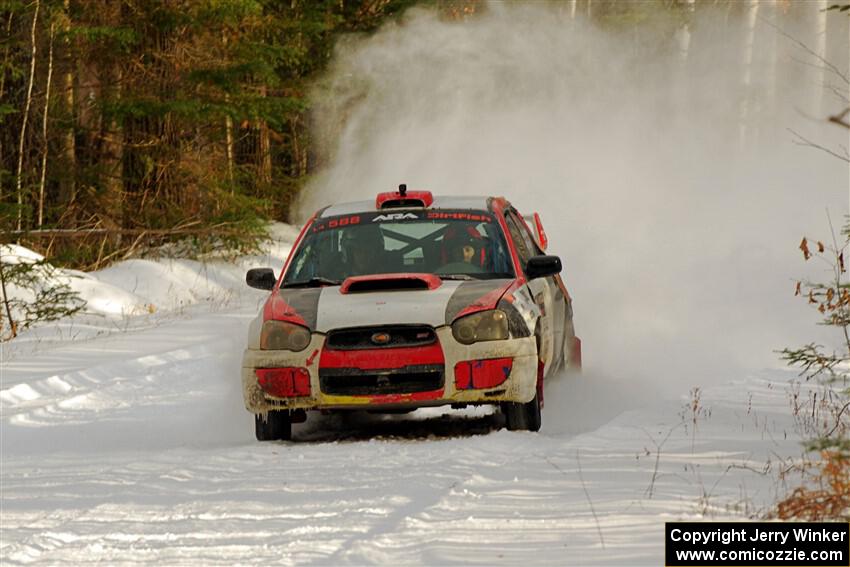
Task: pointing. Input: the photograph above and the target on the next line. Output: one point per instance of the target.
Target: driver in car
(462, 252)
(464, 249)
(363, 248)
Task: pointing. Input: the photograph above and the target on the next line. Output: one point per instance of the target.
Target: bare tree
(67, 183)
(19, 172)
(683, 33)
(820, 55)
(747, 69)
(44, 126)
(3, 81)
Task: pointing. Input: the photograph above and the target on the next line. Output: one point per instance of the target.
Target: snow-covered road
(139, 452)
(123, 439)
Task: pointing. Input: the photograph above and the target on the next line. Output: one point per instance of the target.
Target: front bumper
(520, 385)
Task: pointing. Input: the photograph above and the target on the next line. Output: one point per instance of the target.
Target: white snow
(14, 254)
(124, 441)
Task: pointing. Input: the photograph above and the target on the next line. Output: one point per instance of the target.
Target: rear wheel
(571, 356)
(570, 351)
(523, 417)
(275, 425)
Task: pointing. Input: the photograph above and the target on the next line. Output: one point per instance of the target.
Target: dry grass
(827, 494)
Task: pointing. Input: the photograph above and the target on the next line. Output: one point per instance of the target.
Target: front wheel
(275, 425)
(523, 417)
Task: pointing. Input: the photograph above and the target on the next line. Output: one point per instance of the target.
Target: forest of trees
(126, 123)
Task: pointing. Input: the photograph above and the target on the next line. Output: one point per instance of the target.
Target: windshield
(450, 244)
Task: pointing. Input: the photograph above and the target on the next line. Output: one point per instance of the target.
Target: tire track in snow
(169, 397)
(483, 513)
(84, 395)
(501, 498)
(310, 514)
(418, 503)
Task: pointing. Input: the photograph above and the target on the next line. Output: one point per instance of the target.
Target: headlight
(489, 325)
(279, 335)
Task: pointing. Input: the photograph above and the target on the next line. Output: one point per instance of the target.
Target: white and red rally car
(409, 301)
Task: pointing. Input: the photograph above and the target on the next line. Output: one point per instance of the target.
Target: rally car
(407, 301)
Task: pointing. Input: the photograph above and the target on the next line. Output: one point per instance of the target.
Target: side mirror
(261, 278)
(542, 266)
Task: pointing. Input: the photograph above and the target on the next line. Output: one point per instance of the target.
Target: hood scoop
(390, 282)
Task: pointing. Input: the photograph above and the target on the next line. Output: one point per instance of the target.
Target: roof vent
(404, 199)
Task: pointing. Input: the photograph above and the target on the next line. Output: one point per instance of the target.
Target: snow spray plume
(659, 159)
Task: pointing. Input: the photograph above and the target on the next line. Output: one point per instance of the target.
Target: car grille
(406, 380)
(399, 336)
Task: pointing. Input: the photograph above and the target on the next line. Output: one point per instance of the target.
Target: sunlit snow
(124, 440)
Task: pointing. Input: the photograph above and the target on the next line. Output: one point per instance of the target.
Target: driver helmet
(463, 244)
(362, 247)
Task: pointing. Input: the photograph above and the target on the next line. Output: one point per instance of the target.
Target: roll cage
(325, 255)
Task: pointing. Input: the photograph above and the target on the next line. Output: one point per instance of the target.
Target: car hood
(325, 308)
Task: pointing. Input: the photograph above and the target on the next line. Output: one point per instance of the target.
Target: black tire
(523, 417)
(274, 426)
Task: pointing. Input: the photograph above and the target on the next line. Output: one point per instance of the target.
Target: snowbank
(146, 287)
